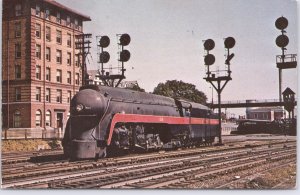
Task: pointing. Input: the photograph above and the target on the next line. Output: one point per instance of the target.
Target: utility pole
(82, 43)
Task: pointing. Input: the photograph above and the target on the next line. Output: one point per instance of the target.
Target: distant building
(40, 69)
(128, 84)
(265, 113)
(94, 79)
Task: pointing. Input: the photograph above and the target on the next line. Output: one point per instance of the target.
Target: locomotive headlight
(79, 107)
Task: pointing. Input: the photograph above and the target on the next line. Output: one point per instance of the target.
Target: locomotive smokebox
(87, 109)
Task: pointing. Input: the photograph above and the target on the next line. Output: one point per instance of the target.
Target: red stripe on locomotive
(135, 118)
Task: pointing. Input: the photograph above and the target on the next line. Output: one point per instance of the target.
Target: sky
(167, 41)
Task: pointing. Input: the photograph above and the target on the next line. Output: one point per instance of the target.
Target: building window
(77, 60)
(38, 10)
(76, 24)
(38, 94)
(18, 29)
(38, 72)
(58, 20)
(69, 40)
(255, 115)
(17, 71)
(48, 74)
(47, 14)
(48, 95)
(58, 56)
(69, 96)
(48, 118)
(38, 51)
(69, 58)
(58, 96)
(38, 118)
(48, 54)
(69, 77)
(18, 94)
(58, 36)
(48, 33)
(17, 119)
(38, 30)
(58, 76)
(77, 79)
(68, 21)
(18, 50)
(18, 9)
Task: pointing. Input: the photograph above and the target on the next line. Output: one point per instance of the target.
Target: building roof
(54, 3)
(288, 91)
(266, 109)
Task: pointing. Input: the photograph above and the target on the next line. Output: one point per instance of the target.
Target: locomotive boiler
(105, 120)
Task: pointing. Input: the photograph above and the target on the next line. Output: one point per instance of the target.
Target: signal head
(209, 59)
(124, 39)
(104, 57)
(209, 44)
(282, 41)
(281, 23)
(124, 55)
(104, 41)
(229, 42)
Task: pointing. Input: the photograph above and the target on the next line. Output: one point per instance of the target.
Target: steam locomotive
(105, 120)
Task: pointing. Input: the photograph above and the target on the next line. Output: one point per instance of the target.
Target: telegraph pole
(82, 43)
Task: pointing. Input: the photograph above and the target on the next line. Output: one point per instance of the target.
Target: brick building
(40, 71)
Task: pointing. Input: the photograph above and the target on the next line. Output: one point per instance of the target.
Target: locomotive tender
(105, 120)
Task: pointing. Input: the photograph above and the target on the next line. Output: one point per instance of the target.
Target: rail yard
(242, 162)
(74, 121)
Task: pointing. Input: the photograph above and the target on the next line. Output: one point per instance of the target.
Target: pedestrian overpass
(247, 103)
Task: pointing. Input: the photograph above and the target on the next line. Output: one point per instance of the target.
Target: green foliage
(180, 89)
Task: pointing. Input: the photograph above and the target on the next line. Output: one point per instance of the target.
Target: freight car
(105, 120)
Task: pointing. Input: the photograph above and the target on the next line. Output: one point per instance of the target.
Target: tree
(180, 89)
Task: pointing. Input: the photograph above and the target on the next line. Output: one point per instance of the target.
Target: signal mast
(209, 60)
(124, 55)
(283, 61)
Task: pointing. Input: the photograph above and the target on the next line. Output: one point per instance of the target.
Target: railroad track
(180, 176)
(20, 171)
(234, 181)
(20, 159)
(23, 157)
(112, 173)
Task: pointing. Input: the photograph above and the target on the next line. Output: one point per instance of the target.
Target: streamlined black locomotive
(105, 120)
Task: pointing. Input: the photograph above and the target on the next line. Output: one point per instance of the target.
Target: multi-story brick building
(40, 68)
